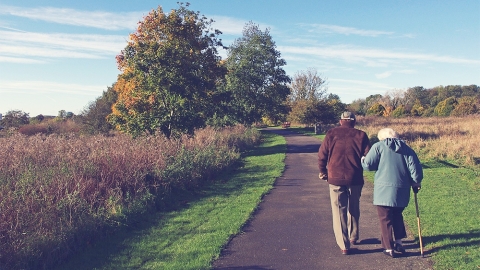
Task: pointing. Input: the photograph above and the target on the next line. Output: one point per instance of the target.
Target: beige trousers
(345, 202)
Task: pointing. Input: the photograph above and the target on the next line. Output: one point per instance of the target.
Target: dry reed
(59, 192)
(453, 138)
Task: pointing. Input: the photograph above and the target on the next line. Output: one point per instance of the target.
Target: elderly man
(339, 162)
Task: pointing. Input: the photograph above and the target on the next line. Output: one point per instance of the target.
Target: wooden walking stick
(415, 191)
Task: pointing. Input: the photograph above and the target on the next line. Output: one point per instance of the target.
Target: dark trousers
(391, 225)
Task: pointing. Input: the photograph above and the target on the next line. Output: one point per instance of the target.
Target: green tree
(94, 116)
(445, 107)
(358, 106)
(417, 109)
(322, 112)
(255, 77)
(170, 70)
(376, 109)
(14, 118)
(399, 111)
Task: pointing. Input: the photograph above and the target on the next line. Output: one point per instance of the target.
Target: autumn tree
(255, 78)
(307, 85)
(465, 106)
(170, 68)
(307, 89)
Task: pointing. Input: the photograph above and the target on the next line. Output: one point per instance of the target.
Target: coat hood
(395, 144)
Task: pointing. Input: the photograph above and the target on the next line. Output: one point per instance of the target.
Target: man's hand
(322, 176)
(416, 188)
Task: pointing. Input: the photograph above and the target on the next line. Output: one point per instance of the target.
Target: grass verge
(191, 235)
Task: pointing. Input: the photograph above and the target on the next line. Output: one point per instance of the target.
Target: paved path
(292, 228)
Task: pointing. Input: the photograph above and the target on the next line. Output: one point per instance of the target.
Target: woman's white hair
(385, 133)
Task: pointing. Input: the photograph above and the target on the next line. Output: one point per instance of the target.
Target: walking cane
(415, 191)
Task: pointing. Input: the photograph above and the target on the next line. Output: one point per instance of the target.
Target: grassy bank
(192, 235)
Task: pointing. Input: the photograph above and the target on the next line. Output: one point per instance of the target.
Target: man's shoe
(399, 248)
(353, 242)
(389, 253)
(345, 252)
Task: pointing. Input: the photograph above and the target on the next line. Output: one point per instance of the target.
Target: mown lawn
(193, 234)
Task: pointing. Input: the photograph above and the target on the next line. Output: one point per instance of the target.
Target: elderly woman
(397, 169)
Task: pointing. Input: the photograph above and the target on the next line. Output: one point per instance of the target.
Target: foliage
(59, 193)
(419, 101)
(14, 119)
(376, 109)
(466, 106)
(445, 107)
(170, 69)
(399, 111)
(307, 85)
(417, 108)
(94, 116)
(309, 102)
(256, 79)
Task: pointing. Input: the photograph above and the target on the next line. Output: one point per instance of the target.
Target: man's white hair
(385, 133)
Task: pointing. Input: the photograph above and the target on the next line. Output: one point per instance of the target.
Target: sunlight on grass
(192, 236)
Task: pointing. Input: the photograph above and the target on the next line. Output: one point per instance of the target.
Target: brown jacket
(340, 154)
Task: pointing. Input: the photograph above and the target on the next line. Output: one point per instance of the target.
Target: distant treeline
(450, 100)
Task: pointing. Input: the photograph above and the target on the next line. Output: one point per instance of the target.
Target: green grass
(192, 236)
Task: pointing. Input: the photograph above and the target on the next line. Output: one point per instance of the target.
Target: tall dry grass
(454, 138)
(57, 193)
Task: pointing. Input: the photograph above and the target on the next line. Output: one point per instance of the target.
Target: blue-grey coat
(397, 168)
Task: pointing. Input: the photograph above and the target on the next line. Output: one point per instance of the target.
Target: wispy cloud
(349, 90)
(337, 29)
(95, 19)
(228, 25)
(57, 45)
(45, 87)
(372, 56)
(389, 73)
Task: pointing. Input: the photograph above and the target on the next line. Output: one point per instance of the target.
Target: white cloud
(95, 19)
(55, 45)
(228, 25)
(371, 56)
(350, 90)
(50, 87)
(383, 75)
(336, 29)
(18, 60)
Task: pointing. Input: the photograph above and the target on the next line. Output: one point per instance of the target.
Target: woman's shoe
(389, 253)
(399, 248)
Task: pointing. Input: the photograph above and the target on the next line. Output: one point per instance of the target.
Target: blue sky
(60, 55)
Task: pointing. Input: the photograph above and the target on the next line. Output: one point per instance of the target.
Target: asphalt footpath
(292, 227)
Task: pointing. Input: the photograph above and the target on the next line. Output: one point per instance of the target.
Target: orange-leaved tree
(170, 70)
